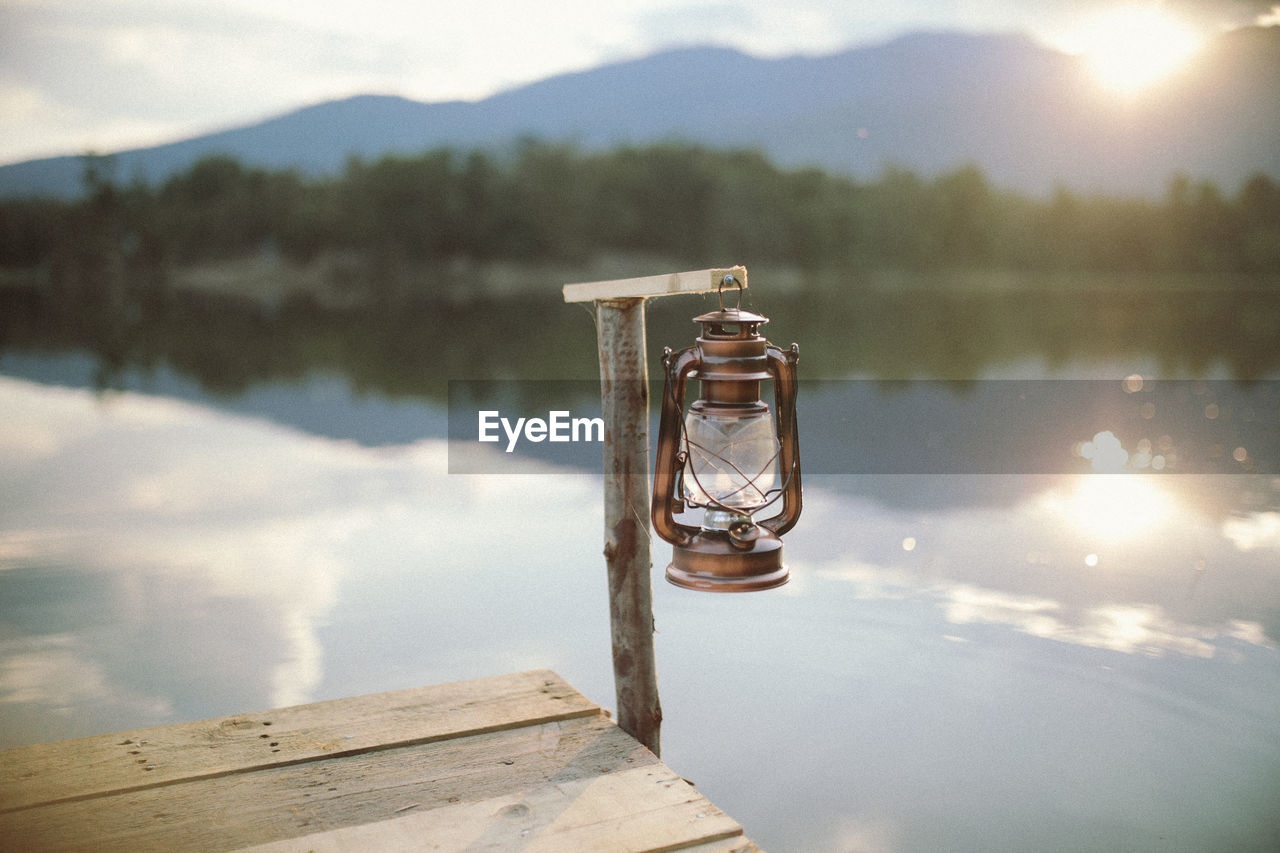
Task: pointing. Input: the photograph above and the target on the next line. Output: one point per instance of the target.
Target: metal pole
(624, 388)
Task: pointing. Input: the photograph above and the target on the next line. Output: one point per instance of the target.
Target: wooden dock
(515, 762)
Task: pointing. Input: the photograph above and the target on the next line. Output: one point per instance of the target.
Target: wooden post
(624, 389)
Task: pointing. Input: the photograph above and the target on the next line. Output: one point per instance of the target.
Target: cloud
(696, 24)
(1141, 629)
(1258, 530)
(237, 555)
(1221, 13)
(1131, 629)
(138, 73)
(86, 75)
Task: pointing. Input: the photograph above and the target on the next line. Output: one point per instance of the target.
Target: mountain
(1032, 118)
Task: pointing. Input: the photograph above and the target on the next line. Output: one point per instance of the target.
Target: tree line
(686, 204)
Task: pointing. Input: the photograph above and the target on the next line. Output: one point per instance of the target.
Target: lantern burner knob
(743, 534)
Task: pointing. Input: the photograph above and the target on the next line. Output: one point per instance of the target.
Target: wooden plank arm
(696, 281)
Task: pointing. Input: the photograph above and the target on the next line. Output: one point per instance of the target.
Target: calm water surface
(963, 661)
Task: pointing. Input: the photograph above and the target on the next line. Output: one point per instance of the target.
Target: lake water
(985, 646)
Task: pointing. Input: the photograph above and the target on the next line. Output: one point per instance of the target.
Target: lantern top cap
(731, 315)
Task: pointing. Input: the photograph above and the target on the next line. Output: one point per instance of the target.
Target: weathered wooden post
(624, 390)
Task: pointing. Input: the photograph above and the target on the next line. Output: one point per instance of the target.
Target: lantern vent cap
(730, 323)
(731, 315)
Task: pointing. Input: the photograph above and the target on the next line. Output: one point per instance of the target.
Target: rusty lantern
(724, 455)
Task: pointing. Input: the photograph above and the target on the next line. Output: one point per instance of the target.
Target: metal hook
(729, 278)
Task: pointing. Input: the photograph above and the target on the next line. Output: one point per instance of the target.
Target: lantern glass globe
(732, 461)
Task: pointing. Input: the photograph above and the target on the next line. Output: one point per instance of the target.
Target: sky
(106, 75)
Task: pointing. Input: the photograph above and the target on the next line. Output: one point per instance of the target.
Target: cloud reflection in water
(1116, 562)
(160, 560)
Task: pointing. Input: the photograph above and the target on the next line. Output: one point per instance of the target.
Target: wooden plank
(696, 281)
(572, 782)
(282, 803)
(725, 845)
(639, 809)
(553, 781)
(624, 392)
(140, 760)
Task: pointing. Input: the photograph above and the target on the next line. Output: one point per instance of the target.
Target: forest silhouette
(376, 232)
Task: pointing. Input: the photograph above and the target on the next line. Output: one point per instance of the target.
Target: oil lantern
(724, 455)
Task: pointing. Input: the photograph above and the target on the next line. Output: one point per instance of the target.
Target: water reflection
(1115, 508)
(1253, 531)
(859, 327)
(161, 561)
(969, 695)
(1057, 562)
(963, 661)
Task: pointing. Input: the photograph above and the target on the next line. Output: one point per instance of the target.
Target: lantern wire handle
(750, 480)
(769, 497)
(730, 278)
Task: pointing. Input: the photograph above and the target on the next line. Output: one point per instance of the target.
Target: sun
(1131, 47)
(1117, 506)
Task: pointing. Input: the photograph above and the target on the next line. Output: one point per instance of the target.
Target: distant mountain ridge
(1032, 118)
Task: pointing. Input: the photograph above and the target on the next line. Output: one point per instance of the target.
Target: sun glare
(1131, 47)
(1117, 506)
